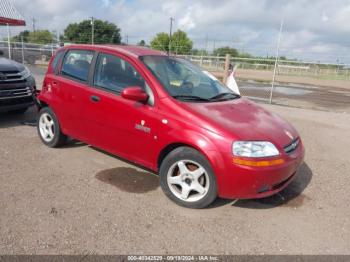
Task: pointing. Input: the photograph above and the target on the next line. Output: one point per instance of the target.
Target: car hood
(7, 65)
(244, 120)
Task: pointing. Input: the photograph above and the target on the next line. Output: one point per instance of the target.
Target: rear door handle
(95, 98)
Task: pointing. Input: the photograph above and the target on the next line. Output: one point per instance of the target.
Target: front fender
(206, 144)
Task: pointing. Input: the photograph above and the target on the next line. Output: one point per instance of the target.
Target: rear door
(69, 89)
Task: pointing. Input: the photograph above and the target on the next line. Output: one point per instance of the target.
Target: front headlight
(254, 149)
(25, 73)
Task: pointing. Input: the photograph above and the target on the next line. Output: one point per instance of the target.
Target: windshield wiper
(224, 96)
(190, 97)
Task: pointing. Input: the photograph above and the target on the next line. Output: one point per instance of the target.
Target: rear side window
(56, 60)
(76, 64)
(114, 74)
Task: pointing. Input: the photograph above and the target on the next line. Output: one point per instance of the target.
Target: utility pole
(58, 36)
(33, 23)
(126, 39)
(92, 30)
(9, 40)
(205, 49)
(276, 61)
(172, 19)
(206, 45)
(22, 49)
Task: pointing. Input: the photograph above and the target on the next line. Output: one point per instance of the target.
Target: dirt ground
(295, 91)
(78, 200)
(266, 76)
(319, 98)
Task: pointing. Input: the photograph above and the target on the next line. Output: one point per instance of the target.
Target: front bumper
(244, 182)
(15, 96)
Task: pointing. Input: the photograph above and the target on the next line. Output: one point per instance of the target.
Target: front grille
(290, 148)
(11, 77)
(12, 93)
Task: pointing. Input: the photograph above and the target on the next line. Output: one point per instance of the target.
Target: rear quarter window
(56, 60)
(76, 64)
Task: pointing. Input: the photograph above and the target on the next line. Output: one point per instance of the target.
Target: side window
(114, 74)
(76, 64)
(56, 60)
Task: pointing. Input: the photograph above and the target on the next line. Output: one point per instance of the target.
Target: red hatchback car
(166, 114)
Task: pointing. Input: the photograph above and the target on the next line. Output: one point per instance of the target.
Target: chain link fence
(298, 83)
(28, 53)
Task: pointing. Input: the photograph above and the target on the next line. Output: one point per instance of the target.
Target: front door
(117, 125)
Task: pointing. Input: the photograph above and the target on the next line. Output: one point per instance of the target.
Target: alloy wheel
(46, 127)
(188, 180)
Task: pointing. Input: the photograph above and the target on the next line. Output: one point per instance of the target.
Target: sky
(313, 30)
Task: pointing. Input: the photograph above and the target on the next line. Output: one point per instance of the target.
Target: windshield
(185, 81)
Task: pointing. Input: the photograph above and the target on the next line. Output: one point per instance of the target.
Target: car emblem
(3, 76)
(142, 127)
(289, 134)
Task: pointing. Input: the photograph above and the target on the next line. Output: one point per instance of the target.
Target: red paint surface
(211, 128)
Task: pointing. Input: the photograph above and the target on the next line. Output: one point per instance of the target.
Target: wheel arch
(209, 153)
(43, 104)
(203, 144)
(169, 148)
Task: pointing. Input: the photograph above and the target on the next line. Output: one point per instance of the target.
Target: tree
(161, 42)
(22, 35)
(104, 32)
(244, 55)
(142, 43)
(179, 44)
(199, 52)
(40, 37)
(222, 51)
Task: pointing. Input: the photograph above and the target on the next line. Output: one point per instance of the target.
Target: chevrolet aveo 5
(165, 114)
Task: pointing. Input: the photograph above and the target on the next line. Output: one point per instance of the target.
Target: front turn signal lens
(257, 163)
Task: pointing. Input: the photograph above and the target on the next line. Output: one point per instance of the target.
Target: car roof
(132, 50)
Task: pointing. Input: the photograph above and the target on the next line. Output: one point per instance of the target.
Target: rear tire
(186, 177)
(49, 128)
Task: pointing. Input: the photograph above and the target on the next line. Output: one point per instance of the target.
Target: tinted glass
(76, 64)
(56, 60)
(182, 79)
(114, 73)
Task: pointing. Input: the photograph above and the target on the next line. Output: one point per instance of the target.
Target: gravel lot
(78, 200)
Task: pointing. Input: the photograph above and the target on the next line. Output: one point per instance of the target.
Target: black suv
(17, 86)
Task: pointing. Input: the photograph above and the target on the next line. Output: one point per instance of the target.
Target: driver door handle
(95, 99)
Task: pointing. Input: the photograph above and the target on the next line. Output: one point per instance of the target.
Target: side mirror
(135, 93)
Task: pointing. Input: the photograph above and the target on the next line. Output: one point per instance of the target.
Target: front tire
(49, 129)
(187, 178)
